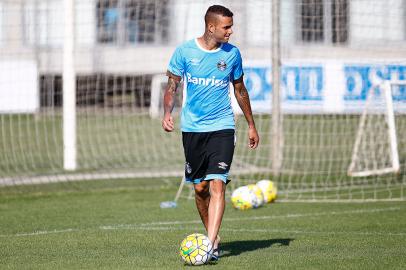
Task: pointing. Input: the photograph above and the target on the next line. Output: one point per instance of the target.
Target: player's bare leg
(202, 199)
(216, 210)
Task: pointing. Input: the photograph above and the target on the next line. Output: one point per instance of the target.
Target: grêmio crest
(221, 65)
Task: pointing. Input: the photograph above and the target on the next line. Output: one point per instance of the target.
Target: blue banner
(317, 85)
(360, 78)
(299, 82)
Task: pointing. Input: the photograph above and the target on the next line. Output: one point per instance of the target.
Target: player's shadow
(237, 247)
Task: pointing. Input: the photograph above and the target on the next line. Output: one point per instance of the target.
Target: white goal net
(375, 149)
(81, 93)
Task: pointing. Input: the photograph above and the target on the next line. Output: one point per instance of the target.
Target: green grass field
(118, 224)
(317, 150)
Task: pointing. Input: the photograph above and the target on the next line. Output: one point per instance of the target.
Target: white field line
(42, 233)
(340, 201)
(316, 232)
(358, 188)
(178, 222)
(46, 179)
(169, 228)
(165, 225)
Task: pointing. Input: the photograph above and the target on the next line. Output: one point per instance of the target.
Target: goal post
(277, 141)
(157, 86)
(69, 88)
(381, 155)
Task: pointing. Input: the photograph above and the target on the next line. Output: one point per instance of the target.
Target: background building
(130, 30)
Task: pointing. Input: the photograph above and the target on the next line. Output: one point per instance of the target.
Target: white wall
(18, 95)
(85, 22)
(1, 24)
(377, 21)
(259, 24)
(44, 22)
(288, 21)
(188, 18)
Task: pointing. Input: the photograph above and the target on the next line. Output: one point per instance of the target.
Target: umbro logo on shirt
(195, 62)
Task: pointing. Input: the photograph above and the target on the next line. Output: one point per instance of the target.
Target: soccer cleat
(216, 255)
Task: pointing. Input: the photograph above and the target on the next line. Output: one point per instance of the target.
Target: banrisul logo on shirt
(221, 65)
(206, 81)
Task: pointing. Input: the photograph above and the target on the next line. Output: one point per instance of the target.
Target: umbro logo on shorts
(188, 168)
(223, 165)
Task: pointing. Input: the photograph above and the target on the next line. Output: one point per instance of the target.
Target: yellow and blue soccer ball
(243, 198)
(257, 194)
(196, 249)
(269, 190)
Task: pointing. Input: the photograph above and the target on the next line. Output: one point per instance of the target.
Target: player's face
(222, 29)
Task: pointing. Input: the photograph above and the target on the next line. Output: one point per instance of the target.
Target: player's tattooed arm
(170, 92)
(169, 101)
(243, 99)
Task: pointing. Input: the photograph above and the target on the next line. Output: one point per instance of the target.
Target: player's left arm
(243, 99)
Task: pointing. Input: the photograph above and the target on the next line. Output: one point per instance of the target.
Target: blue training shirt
(207, 75)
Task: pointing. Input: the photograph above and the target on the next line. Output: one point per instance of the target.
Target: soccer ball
(196, 249)
(269, 190)
(257, 193)
(243, 198)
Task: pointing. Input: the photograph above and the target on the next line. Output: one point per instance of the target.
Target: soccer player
(207, 65)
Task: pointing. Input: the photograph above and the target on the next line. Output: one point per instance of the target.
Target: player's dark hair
(217, 10)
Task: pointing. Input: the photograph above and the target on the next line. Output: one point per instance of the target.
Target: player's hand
(253, 137)
(167, 123)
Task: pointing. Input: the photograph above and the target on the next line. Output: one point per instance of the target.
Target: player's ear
(211, 27)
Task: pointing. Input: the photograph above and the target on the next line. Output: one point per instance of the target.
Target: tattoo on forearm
(169, 97)
(243, 92)
(244, 102)
(172, 85)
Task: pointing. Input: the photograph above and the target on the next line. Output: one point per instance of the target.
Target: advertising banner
(324, 87)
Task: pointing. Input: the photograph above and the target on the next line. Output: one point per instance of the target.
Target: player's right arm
(169, 101)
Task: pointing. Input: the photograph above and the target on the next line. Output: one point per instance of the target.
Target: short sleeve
(176, 64)
(238, 71)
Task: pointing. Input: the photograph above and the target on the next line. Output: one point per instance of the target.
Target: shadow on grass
(237, 247)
